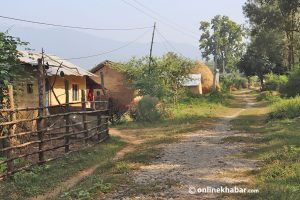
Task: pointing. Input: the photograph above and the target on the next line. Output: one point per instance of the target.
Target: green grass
(277, 144)
(110, 174)
(287, 108)
(186, 111)
(42, 179)
(205, 111)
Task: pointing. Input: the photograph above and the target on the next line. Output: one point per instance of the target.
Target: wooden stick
(85, 127)
(11, 131)
(41, 110)
(67, 117)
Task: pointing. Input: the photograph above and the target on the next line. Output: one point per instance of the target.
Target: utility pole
(150, 57)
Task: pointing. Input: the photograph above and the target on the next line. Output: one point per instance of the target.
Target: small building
(57, 70)
(115, 82)
(193, 83)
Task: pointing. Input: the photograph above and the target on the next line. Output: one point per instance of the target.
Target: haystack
(207, 76)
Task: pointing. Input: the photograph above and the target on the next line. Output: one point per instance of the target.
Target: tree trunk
(262, 85)
(249, 82)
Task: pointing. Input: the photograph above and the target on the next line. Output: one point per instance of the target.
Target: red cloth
(90, 95)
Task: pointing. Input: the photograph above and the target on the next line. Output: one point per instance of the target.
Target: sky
(177, 20)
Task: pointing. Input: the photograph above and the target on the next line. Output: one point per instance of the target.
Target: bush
(270, 96)
(233, 80)
(147, 109)
(292, 86)
(288, 108)
(275, 82)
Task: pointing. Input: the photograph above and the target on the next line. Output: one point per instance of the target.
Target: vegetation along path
(201, 158)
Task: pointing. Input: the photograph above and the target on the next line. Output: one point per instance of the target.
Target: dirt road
(201, 159)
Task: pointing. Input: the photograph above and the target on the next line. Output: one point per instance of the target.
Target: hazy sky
(186, 14)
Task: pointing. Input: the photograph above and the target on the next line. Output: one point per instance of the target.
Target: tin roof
(55, 63)
(192, 80)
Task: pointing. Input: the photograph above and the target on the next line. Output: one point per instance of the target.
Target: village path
(201, 159)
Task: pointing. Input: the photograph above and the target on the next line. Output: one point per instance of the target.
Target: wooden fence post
(11, 131)
(99, 125)
(84, 117)
(41, 110)
(67, 117)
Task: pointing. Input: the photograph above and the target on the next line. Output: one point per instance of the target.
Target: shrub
(292, 86)
(275, 82)
(147, 109)
(270, 96)
(233, 80)
(288, 108)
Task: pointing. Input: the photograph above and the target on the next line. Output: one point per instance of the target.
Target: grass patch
(278, 149)
(187, 111)
(243, 139)
(153, 134)
(287, 108)
(44, 178)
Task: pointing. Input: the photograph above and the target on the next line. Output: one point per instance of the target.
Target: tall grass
(286, 109)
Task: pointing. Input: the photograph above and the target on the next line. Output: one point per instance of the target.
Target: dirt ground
(201, 159)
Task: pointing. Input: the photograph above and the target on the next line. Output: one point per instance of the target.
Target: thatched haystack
(207, 76)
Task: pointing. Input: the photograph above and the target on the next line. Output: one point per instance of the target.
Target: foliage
(224, 38)
(233, 80)
(146, 110)
(274, 81)
(257, 61)
(292, 87)
(8, 60)
(287, 108)
(280, 16)
(163, 79)
(270, 96)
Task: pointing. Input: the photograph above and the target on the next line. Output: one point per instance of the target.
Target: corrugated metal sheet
(192, 80)
(54, 63)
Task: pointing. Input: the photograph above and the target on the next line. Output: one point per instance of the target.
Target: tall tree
(277, 15)
(263, 55)
(224, 39)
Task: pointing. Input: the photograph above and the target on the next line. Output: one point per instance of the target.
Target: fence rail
(51, 135)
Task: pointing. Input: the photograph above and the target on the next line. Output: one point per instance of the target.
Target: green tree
(9, 60)
(277, 15)
(163, 80)
(253, 63)
(224, 39)
(263, 56)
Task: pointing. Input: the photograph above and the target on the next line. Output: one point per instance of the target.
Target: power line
(110, 51)
(158, 14)
(75, 27)
(168, 42)
(163, 22)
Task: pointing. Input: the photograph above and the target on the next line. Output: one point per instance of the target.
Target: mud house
(57, 70)
(116, 83)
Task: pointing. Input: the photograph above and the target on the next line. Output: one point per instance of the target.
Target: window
(29, 88)
(75, 92)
